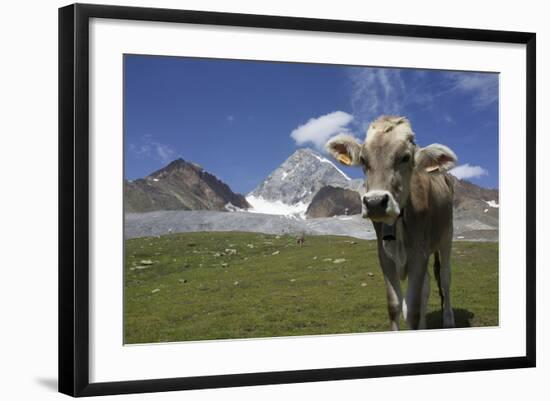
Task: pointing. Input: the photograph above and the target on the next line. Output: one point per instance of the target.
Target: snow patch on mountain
(323, 160)
(232, 208)
(263, 206)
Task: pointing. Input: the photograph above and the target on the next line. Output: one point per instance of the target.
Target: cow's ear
(345, 149)
(435, 157)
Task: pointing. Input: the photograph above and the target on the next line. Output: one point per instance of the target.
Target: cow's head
(389, 157)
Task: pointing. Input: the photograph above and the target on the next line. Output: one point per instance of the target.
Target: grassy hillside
(209, 285)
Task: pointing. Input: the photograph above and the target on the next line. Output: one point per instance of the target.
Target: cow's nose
(376, 204)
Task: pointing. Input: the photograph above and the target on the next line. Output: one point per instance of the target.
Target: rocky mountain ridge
(180, 185)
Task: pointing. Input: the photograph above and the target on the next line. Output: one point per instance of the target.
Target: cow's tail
(437, 274)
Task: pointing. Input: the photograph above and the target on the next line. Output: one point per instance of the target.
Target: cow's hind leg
(445, 277)
(425, 298)
(437, 274)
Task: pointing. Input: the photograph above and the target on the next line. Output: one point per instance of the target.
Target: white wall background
(28, 199)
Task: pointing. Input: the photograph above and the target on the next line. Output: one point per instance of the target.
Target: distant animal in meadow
(301, 239)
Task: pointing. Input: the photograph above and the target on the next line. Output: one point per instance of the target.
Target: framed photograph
(252, 199)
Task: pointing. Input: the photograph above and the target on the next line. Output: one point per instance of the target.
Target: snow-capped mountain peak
(289, 189)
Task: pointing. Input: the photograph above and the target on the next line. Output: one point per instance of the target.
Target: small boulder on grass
(275, 253)
(338, 261)
(155, 291)
(146, 262)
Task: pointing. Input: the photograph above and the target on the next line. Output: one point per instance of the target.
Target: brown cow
(409, 198)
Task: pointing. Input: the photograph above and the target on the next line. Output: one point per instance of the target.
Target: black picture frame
(74, 198)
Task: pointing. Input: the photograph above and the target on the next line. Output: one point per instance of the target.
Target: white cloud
(483, 87)
(318, 130)
(466, 171)
(140, 150)
(164, 152)
(376, 91)
(448, 118)
(230, 118)
(152, 149)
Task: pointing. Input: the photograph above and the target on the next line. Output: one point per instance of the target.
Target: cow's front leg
(416, 299)
(393, 288)
(394, 298)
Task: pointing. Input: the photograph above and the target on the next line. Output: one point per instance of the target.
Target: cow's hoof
(448, 319)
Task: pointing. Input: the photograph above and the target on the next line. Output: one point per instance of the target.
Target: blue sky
(241, 119)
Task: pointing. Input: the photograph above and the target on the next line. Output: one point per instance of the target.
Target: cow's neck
(389, 232)
(396, 238)
(393, 242)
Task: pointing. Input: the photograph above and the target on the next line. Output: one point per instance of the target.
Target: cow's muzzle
(380, 206)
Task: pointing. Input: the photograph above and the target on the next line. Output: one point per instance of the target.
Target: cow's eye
(406, 158)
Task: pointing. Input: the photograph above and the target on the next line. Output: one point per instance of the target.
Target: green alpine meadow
(231, 285)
